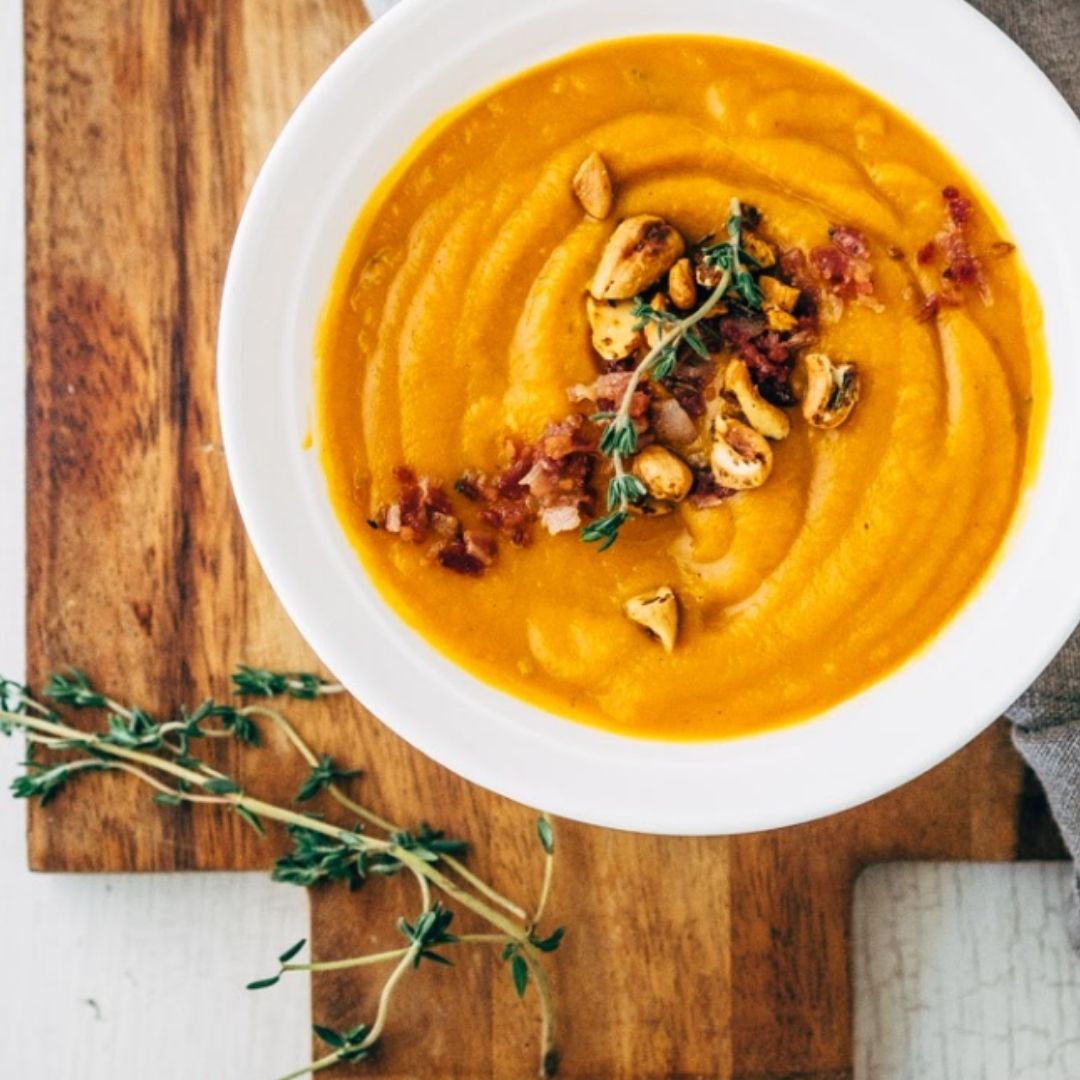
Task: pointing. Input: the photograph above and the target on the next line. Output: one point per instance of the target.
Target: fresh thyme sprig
(731, 256)
(158, 753)
(619, 439)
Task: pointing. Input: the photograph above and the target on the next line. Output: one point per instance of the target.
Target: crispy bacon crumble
(962, 268)
(423, 511)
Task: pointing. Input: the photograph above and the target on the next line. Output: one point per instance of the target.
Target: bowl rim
(884, 736)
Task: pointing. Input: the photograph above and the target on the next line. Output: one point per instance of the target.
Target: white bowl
(942, 64)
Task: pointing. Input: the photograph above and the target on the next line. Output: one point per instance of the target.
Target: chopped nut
(681, 287)
(654, 330)
(665, 475)
(641, 250)
(778, 295)
(658, 612)
(740, 458)
(762, 415)
(763, 253)
(592, 186)
(780, 321)
(705, 274)
(614, 327)
(832, 391)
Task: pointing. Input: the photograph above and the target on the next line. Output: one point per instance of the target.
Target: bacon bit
(565, 438)
(961, 210)
(481, 546)
(563, 468)
(796, 267)
(793, 264)
(850, 241)
(963, 268)
(843, 266)
(927, 253)
(556, 482)
(506, 499)
(829, 262)
(421, 508)
(933, 305)
(608, 390)
(513, 519)
(508, 485)
(688, 384)
(445, 525)
(895, 253)
(611, 385)
(706, 492)
(553, 475)
(471, 554)
(769, 354)
(930, 309)
(769, 357)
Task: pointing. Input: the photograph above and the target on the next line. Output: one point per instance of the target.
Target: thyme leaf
(550, 943)
(430, 930)
(322, 775)
(546, 834)
(519, 968)
(259, 682)
(73, 689)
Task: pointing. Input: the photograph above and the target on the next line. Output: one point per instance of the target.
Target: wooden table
(717, 958)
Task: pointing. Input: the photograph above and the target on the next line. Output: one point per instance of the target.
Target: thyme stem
(371, 818)
(390, 954)
(549, 874)
(548, 1053)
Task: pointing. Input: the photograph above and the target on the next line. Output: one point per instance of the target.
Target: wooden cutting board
(709, 958)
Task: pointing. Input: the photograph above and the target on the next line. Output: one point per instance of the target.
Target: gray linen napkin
(1047, 718)
(1047, 732)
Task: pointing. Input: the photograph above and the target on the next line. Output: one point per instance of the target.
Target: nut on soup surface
(679, 386)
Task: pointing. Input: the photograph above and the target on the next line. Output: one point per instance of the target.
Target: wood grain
(707, 958)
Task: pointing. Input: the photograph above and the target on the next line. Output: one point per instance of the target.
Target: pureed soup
(679, 386)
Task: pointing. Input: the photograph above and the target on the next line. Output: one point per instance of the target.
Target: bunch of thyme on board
(619, 440)
(162, 756)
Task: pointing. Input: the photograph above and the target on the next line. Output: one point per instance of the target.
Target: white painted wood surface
(962, 973)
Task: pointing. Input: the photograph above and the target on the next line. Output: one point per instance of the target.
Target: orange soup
(768, 306)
